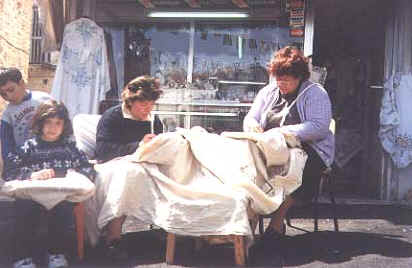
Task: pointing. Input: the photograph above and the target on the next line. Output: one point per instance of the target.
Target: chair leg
(316, 213)
(198, 244)
(261, 229)
(240, 250)
(79, 219)
(288, 220)
(170, 248)
(335, 219)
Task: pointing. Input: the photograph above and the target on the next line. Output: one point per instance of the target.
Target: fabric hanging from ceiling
(82, 76)
(395, 130)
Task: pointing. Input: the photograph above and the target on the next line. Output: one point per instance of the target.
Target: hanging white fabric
(82, 76)
(395, 130)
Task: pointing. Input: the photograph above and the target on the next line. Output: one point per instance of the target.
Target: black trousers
(29, 215)
(312, 173)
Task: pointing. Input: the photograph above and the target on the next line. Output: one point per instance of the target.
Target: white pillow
(84, 128)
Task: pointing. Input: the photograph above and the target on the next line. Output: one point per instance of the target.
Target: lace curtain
(395, 130)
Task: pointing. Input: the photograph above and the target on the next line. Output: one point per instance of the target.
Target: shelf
(195, 114)
(241, 82)
(209, 103)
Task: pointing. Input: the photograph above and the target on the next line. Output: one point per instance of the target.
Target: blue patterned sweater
(37, 154)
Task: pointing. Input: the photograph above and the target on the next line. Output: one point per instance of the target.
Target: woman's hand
(257, 129)
(252, 126)
(43, 174)
(148, 137)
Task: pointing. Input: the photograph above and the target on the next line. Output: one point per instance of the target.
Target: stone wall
(15, 36)
(41, 77)
(15, 33)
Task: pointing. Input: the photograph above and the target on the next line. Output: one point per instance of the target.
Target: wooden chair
(326, 180)
(79, 222)
(84, 128)
(238, 242)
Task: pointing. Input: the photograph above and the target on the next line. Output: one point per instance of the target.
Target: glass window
(209, 72)
(232, 58)
(160, 50)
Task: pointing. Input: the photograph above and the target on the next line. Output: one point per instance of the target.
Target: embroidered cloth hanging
(82, 76)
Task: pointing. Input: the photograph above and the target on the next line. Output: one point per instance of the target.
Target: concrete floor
(370, 236)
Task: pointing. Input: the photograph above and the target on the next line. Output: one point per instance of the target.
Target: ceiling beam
(193, 3)
(240, 3)
(147, 3)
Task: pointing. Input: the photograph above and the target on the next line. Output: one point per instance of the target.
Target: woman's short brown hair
(142, 88)
(51, 109)
(289, 61)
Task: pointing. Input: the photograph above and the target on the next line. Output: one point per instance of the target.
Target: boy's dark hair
(142, 88)
(51, 109)
(9, 74)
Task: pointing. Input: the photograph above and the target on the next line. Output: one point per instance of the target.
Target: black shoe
(271, 234)
(115, 251)
(269, 237)
(266, 244)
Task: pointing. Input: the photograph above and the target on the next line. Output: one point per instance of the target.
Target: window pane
(232, 58)
(160, 50)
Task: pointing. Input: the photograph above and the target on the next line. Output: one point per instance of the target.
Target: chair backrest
(332, 126)
(84, 128)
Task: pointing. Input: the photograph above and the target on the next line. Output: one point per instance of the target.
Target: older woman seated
(300, 108)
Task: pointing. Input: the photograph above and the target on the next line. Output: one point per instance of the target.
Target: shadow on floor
(330, 247)
(394, 214)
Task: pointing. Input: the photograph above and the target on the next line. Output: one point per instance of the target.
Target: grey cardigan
(314, 108)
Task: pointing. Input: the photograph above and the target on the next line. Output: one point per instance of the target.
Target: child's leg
(61, 221)
(28, 214)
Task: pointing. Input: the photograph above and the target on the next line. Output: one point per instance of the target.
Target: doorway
(350, 41)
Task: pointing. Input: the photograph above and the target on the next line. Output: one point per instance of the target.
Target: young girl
(49, 154)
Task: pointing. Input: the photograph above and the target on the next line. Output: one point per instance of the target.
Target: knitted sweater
(314, 108)
(37, 154)
(16, 121)
(118, 136)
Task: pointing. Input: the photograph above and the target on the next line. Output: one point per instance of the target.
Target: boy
(22, 103)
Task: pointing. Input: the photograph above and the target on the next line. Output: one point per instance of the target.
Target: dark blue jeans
(29, 215)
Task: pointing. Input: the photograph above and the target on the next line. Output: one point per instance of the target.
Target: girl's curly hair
(51, 109)
(142, 88)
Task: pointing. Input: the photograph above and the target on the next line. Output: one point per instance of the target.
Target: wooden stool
(238, 241)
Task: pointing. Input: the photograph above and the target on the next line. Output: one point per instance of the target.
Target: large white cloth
(82, 76)
(195, 183)
(75, 187)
